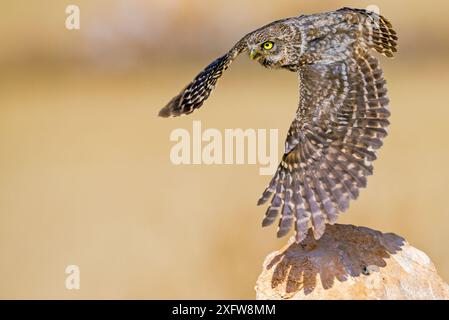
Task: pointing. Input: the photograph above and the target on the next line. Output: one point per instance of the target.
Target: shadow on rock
(343, 251)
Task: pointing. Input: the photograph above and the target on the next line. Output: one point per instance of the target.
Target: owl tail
(193, 96)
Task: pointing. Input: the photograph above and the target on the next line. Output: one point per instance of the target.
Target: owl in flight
(342, 115)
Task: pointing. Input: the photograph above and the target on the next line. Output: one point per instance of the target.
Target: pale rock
(350, 262)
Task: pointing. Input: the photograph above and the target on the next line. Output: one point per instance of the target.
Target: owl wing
(331, 144)
(375, 31)
(195, 93)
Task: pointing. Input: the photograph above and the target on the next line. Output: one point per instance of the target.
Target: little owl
(342, 115)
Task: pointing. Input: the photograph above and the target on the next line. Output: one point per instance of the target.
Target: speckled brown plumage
(342, 115)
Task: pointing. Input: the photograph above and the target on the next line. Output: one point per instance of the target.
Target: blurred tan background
(85, 175)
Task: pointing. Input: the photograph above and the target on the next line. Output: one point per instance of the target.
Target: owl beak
(253, 54)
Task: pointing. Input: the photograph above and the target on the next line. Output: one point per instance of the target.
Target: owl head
(274, 46)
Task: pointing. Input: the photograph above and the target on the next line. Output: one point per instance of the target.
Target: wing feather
(195, 93)
(331, 144)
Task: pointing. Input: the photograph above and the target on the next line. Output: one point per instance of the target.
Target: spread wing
(195, 93)
(331, 144)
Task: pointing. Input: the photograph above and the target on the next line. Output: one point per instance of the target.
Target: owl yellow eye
(268, 45)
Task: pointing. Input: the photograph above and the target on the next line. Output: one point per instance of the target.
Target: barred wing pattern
(193, 96)
(375, 30)
(330, 147)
